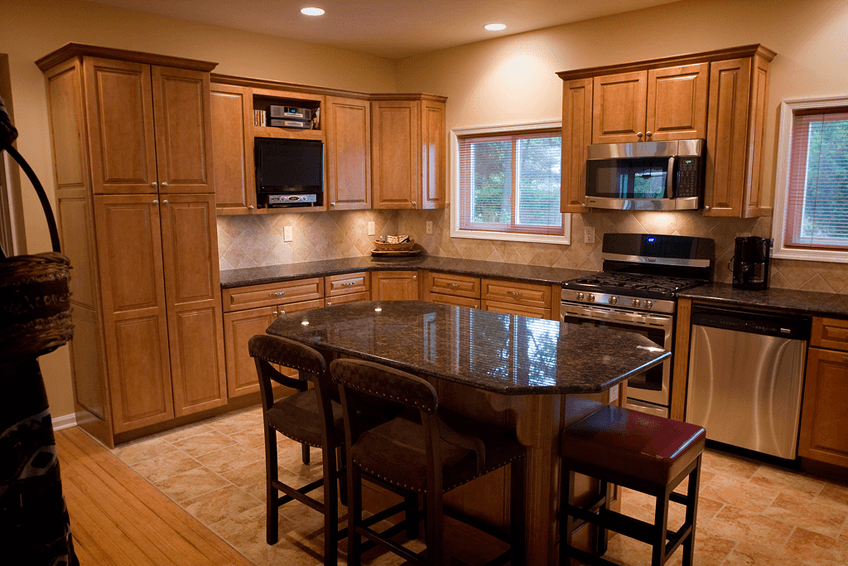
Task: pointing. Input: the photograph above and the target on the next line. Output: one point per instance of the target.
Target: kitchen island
(537, 375)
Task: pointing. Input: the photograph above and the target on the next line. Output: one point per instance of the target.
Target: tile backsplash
(257, 240)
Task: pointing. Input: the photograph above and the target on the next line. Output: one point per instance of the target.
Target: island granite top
(474, 268)
(500, 353)
(803, 302)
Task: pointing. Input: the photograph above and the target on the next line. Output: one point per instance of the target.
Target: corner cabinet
(132, 151)
(720, 96)
(408, 151)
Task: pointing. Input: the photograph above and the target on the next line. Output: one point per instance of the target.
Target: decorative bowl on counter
(395, 246)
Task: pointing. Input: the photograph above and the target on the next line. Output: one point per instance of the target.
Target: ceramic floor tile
(728, 465)
(203, 443)
(185, 432)
(710, 550)
(738, 524)
(812, 548)
(216, 505)
(226, 459)
(188, 485)
(134, 452)
(250, 478)
(739, 493)
(834, 495)
(787, 481)
(799, 511)
(162, 467)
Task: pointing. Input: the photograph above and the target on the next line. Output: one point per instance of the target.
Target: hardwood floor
(118, 518)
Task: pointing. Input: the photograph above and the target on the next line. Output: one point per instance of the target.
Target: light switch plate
(287, 234)
(428, 226)
(588, 234)
(371, 229)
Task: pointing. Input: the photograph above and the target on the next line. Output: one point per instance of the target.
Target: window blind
(511, 183)
(817, 199)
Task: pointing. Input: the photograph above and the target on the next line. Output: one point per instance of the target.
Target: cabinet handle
(282, 313)
(453, 284)
(329, 304)
(155, 202)
(706, 207)
(165, 202)
(639, 135)
(347, 284)
(251, 207)
(277, 294)
(415, 277)
(514, 293)
(164, 183)
(154, 184)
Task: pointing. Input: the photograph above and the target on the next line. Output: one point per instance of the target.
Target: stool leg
(692, 513)
(566, 522)
(331, 509)
(660, 529)
(271, 496)
(516, 511)
(602, 532)
(304, 453)
(354, 514)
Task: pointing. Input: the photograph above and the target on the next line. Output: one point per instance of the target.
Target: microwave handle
(669, 179)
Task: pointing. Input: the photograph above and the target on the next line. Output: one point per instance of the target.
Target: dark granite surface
(475, 268)
(806, 302)
(507, 354)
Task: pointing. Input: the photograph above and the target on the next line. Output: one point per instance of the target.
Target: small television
(289, 172)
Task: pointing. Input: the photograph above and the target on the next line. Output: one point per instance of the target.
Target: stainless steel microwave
(663, 175)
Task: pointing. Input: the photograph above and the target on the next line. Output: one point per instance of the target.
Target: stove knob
(591, 297)
(579, 295)
(637, 303)
(613, 300)
(649, 304)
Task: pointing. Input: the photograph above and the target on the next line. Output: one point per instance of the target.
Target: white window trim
(454, 177)
(788, 108)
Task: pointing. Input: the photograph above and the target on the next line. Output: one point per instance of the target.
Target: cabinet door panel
(677, 102)
(190, 248)
(523, 310)
(823, 417)
(239, 327)
(433, 154)
(183, 130)
(348, 153)
(394, 285)
(618, 108)
(232, 149)
(120, 125)
(396, 172)
(576, 135)
(197, 357)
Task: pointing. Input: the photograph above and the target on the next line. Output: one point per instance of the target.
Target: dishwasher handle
(754, 322)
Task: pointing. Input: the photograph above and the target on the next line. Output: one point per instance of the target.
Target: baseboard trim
(65, 421)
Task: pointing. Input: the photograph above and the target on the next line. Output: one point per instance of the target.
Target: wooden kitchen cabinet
(576, 136)
(408, 151)
(132, 154)
(232, 149)
(658, 104)
(394, 286)
(451, 289)
(348, 125)
(824, 421)
(347, 288)
(525, 299)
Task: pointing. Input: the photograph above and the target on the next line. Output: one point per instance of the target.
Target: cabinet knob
(155, 202)
(154, 184)
(706, 207)
(251, 207)
(164, 183)
(165, 202)
(639, 135)
(329, 304)
(415, 277)
(414, 203)
(649, 134)
(332, 204)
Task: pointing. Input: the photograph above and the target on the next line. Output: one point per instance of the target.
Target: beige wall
(30, 29)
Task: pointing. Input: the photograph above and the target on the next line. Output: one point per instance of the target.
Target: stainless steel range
(636, 291)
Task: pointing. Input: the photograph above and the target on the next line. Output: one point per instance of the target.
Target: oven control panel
(618, 301)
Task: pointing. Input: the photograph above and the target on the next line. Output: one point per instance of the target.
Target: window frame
(506, 129)
(788, 110)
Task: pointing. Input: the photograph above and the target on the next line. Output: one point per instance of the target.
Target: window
(811, 192)
(507, 184)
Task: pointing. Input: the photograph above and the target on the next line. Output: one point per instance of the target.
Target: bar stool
(418, 452)
(642, 452)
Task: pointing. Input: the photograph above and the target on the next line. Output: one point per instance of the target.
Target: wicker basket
(386, 247)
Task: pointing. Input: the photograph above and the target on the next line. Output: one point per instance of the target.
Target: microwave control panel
(688, 177)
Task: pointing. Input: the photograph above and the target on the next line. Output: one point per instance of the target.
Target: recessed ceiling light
(312, 11)
(494, 27)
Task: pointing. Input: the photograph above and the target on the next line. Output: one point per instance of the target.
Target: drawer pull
(329, 304)
(277, 294)
(347, 284)
(454, 285)
(514, 293)
(845, 358)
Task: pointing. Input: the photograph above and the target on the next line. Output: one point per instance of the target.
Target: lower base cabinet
(824, 421)
(394, 286)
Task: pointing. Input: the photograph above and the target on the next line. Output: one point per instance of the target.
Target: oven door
(652, 386)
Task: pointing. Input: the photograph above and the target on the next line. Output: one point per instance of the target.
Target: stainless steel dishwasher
(746, 374)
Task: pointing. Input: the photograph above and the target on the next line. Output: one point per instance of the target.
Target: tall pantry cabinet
(132, 153)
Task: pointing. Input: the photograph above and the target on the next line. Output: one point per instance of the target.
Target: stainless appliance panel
(745, 389)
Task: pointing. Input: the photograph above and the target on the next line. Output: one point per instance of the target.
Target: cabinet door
(183, 130)
(348, 126)
(134, 310)
(232, 149)
(576, 135)
(727, 137)
(618, 109)
(394, 286)
(507, 308)
(677, 103)
(239, 327)
(119, 112)
(433, 154)
(396, 134)
(824, 421)
(190, 251)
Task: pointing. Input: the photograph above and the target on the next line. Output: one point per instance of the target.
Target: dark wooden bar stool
(645, 453)
(419, 451)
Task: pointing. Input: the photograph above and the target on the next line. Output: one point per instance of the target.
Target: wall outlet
(588, 234)
(428, 226)
(371, 228)
(287, 234)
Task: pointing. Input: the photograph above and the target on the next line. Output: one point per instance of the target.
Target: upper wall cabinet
(719, 95)
(348, 153)
(408, 142)
(232, 149)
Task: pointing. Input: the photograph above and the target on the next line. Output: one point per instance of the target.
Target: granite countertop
(500, 353)
(805, 302)
(474, 268)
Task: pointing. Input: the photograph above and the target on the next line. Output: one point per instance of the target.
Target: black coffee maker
(751, 263)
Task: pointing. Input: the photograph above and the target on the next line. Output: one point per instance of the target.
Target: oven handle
(661, 321)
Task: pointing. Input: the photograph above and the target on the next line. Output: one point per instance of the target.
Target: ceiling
(386, 28)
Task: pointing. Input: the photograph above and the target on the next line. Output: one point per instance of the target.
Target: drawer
(335, 285)
(512, 308)
(449, 284)
(830, 333)
(270, 294)
(509, 292)
(349, 298)
(453, 300)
